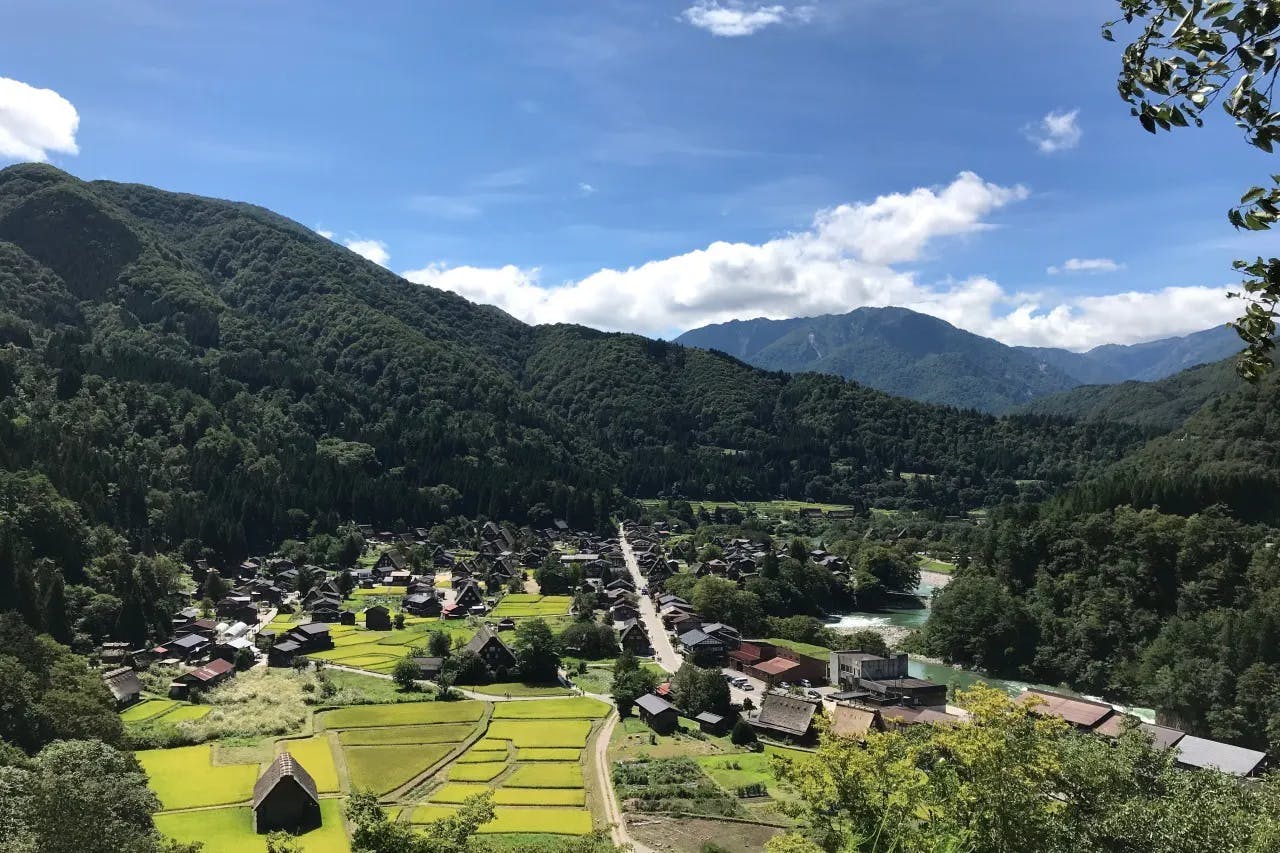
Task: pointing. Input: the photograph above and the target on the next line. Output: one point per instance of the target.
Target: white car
(747, 688)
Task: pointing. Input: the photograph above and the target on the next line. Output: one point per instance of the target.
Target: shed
(377, 618)
(712, 724)
(657, 713)
(285, 797)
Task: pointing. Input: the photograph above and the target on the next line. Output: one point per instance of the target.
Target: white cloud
(732, 18)
(325, 233)
(1057, 131)
(586, 188)
(1087, 265)
(35, 122)
(848, 258)
(373, 250)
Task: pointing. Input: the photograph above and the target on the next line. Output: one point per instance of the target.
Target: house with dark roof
(634, 638)
(285, 798)
(124, 685)
(205, 677)
(377, 618)
(391, 560)
(184, 648)
(492, 650)
(467, 595)
(711, 723)
(785, 716)
(421, 604)
(657, 713)
(428, 668)
(701, 648)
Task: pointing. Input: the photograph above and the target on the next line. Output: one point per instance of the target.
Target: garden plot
(185, 778)
(405, 714)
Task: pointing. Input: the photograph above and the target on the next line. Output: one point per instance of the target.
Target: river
(896, 622)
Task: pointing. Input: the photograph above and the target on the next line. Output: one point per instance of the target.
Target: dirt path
(613, 812)
(664, 652)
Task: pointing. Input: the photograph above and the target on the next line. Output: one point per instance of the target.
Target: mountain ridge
(922, 357)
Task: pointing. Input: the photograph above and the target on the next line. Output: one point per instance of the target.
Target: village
(688, 756)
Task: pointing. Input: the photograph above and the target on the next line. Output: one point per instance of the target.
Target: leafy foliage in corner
(1186, 57)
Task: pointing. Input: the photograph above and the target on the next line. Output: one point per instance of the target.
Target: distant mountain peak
(926, 358)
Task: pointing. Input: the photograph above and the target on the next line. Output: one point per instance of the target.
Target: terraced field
(518, 604)
(531, 759)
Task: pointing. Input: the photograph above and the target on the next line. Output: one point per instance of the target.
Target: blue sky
(652, 165)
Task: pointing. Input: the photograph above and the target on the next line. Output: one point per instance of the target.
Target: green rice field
(439, 733)
(541, 733)
(185, 778)
(560, 774)
(230, 830)
(518, 604)
(549, 754)
(315, 754)
(567, 709)
(480, 771)
(385, 768)
(406, 714)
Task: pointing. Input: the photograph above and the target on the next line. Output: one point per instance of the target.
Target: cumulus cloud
(370, 250)
(1057, 131)
(849, 257)
(732, 19)
(373, 250)
(586, 188)
(1087, 265)
(35, 122)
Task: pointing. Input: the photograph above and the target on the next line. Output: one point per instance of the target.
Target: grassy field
(819, 652)
(315, 754)
(406, 714)
(440, 733)
(384, 768)
(518, 604)
(557, 709)
(185, 778)
(479, 771)
(929, 564)
(540, 733)
(560, 774)
(549, 754)
(231, 830)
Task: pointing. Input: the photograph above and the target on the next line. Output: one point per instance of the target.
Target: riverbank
(935, 580)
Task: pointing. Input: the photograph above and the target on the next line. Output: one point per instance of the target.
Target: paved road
(664, 652)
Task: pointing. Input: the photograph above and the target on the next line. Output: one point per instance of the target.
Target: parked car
(785, 685)
(804, 682)
(747, 688)
(813, 694)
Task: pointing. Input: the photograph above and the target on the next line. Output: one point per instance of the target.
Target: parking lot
(755, 688)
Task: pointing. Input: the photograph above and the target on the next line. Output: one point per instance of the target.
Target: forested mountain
(1227, 453)
(1161, 405)
(892, 349)
(186, 370)
(924, 358)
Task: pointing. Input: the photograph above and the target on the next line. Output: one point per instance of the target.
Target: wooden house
(285, 798)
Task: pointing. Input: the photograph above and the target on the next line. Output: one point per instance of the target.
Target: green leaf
(1252, 195)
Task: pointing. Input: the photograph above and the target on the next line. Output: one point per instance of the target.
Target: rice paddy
(407, 714)
(185, 778)
(384, 768)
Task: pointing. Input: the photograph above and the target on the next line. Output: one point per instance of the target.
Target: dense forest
(179, 373)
